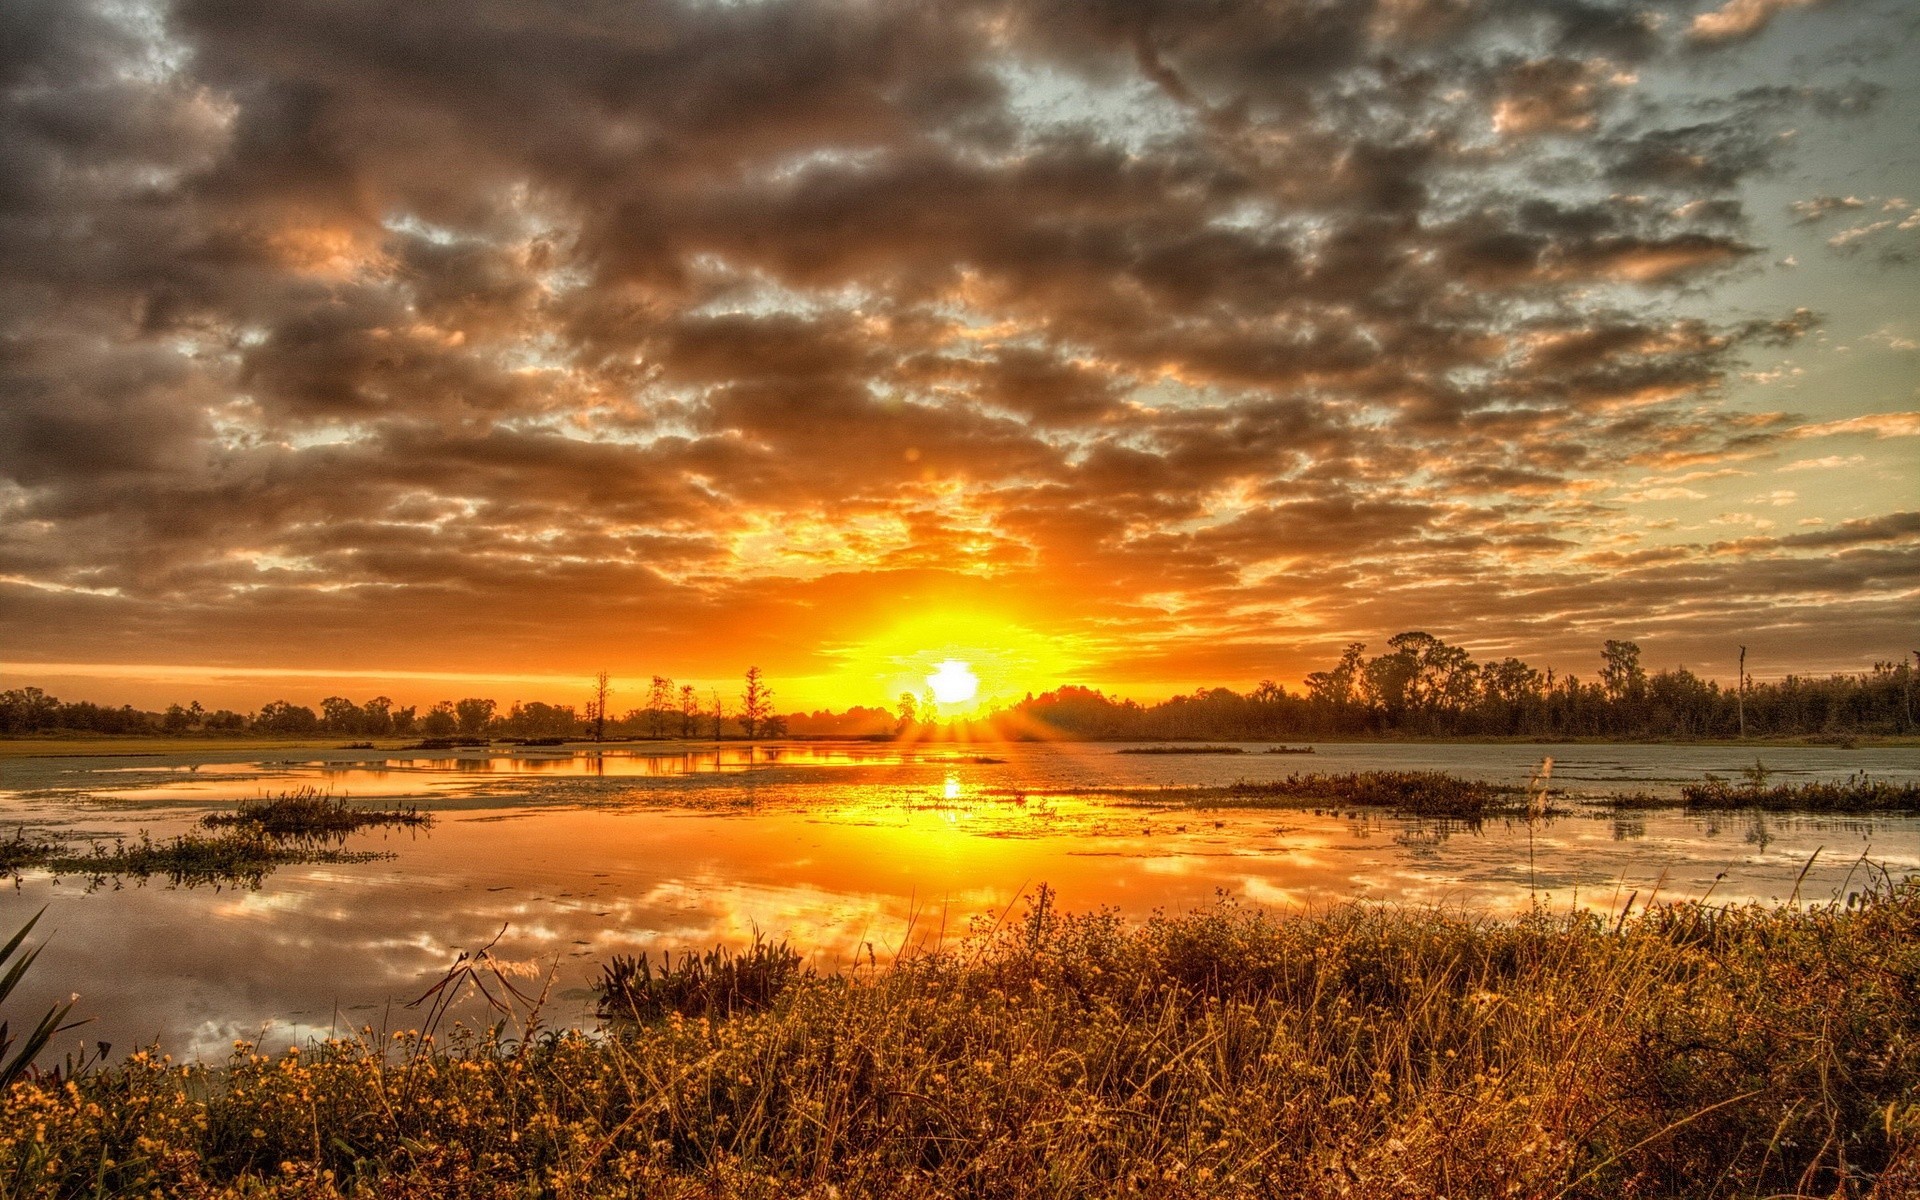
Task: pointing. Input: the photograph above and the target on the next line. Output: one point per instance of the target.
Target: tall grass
(1686, 1051)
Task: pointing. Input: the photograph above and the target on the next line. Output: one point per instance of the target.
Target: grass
(1181, 750)
(310, 813)
(246, 846)
(1680, 1052)
(240, 856)
(1857, 794)
(718, 983)
(1427, 793)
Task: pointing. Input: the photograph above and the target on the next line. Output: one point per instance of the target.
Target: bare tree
(718, 715)
(1740, 693)
(597, 706)
(756, 703)
(689, 709)
(659, 701)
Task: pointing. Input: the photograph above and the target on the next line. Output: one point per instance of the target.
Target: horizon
(505, 344)
(224, 689)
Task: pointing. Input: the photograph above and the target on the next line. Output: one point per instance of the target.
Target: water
(847, 850)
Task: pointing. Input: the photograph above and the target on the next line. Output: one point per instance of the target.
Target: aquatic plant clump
(1428, 793)
(309, 812)
(1181, 750)
(1857, 794)
(243, 856)
(1687, 1051)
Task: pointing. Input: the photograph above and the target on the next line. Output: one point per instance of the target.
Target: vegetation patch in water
(1856, 794)
(1430, 793)
(1367, 1051)
(309, 812)
(1181, 750)
(241, 856)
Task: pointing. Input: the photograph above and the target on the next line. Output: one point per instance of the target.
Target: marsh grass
(310, 813)
(1372, 1052)
(718, 983)
(1426, 793)
(1181, 750)
(1857, 794)
(246, 845)
(242, 856)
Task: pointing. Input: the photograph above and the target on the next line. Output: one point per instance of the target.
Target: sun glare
(953, 682)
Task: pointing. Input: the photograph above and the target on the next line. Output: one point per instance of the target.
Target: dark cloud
(327, 318)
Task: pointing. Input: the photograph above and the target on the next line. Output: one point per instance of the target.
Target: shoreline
(144, 745)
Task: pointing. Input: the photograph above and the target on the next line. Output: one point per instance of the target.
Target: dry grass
(1365, 1052)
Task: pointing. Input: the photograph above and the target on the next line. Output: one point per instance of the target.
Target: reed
(1687, 1051)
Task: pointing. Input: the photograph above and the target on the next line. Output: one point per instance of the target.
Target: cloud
(1738, 19)
(1879, 425)
(714, 331)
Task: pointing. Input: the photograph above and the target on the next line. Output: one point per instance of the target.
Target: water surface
(848, 850)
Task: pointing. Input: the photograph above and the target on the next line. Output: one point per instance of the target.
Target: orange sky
(469, 349)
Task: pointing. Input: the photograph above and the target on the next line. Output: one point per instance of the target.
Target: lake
(848, 850)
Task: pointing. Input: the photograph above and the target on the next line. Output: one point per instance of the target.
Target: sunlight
(955, 659)
(953, 683)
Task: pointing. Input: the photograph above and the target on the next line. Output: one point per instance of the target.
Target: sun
(953, 682)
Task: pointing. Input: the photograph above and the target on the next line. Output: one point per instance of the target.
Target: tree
(340, 715)
(473, 714)
(756, 703)
(659, 701)
(909, 712)
(439, 721)
(597, 706)
(284, 716)
(1621, 673)
(718, 715)
(376, 716)
(689, 709)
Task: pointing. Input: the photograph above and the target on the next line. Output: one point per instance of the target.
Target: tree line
(1420, 685)
(669, 710)
(1423, 686)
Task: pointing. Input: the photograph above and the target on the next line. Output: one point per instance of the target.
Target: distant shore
(134, 745)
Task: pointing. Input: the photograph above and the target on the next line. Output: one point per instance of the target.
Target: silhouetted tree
(689, 709)
(473, 713)
(440, 720)
(597, 707)
(756, 703)
(659, 703)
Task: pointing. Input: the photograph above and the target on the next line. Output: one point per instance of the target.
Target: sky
(447, 348)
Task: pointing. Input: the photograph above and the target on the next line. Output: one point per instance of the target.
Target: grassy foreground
(1687, 1051)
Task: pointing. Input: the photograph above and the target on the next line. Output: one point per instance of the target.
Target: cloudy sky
(435, 346)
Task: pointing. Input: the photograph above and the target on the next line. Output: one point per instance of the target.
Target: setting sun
(953, 683)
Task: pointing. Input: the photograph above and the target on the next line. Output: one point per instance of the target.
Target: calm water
(838, 848)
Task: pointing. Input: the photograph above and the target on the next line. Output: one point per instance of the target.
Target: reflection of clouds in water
(589, 867)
